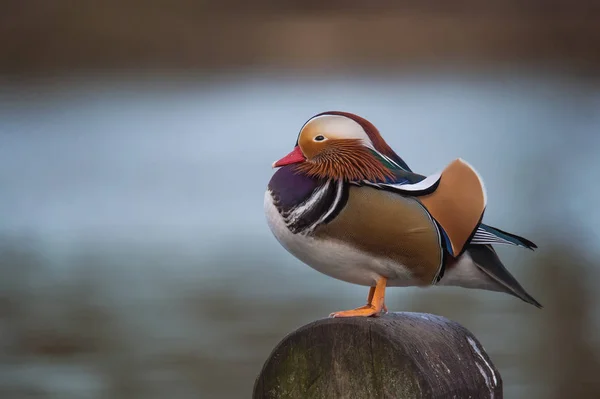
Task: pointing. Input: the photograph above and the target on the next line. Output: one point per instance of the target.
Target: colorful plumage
(347, 205)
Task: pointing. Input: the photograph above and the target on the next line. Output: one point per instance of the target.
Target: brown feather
(389, 226)
(458, 203)
(346, 159)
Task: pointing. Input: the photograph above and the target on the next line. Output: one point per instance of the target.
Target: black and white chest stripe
(320, 207)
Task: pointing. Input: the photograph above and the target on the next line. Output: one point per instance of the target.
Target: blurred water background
(135, 147)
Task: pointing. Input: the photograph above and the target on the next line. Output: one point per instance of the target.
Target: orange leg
(370, 299)
(375, 303)
(371, 293)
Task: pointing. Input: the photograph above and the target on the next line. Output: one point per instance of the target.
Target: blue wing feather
(491, 235)
(445, 240)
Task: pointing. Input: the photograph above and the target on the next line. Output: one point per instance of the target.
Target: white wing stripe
(422, 185)
(485, 237)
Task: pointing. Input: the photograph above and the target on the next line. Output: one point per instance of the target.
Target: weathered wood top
(398, 355)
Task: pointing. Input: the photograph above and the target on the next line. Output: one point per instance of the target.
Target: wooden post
(398, 355)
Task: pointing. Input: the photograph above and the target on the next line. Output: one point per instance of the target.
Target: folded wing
(455, 198)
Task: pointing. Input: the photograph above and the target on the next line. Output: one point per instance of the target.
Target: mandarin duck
(346, 204)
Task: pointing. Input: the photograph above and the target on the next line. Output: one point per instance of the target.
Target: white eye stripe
(337, 126)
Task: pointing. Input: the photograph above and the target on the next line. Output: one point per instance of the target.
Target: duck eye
(319, 138)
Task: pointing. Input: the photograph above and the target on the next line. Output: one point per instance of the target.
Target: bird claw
(363, 311)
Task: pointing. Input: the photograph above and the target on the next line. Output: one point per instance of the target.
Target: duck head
(341, 145)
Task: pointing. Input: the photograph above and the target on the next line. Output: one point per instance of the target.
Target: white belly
(335, 258)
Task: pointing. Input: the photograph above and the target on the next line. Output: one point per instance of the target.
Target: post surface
(398, 355)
